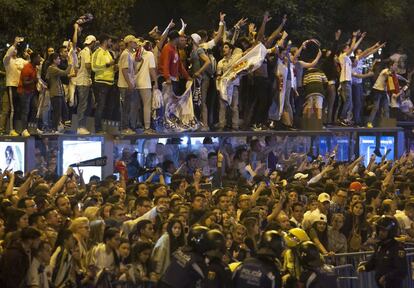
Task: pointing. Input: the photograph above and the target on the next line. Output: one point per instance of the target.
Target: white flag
(246, 64)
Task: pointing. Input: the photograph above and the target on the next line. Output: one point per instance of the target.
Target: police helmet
(271, 243)
(216, 243)
(389, 224)
(309, 255)
(197, 239)
(295, 236)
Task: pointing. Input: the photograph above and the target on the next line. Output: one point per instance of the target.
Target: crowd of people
(243, 217)
(248, 216)
(170, 81)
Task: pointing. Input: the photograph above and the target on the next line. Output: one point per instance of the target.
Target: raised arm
(237, 28)
(313, 63)
(260, 34)
(275, 33)
(55, 189)
(220, 31)
(164, 34)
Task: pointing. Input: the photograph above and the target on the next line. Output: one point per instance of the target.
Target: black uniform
(260, 271)
(187, 270)
(389, 260)
(218, 275)
(321, 277)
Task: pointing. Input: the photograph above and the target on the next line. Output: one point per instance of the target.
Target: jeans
(330, 100)
(13, 102)
(358, 101)
(346, 95)
(234, 106)
(146, 98)
(380, 101)
(129, 108)
(59, 110)
(26, 108)
(83, 96)
(258, 111)
(205, 83)
(102, 94)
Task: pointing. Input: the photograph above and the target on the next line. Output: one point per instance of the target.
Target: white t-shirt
(405, 222)
(142, 70)
(346, 68)
(381, 82)
(84, 76)
(126, 60)
(13, 67)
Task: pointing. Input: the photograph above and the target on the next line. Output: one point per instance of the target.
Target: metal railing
(346, 268)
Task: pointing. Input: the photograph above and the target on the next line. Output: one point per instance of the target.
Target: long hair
(13, 216)
(175, 242)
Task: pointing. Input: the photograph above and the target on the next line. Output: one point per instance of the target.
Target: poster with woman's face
(12, 157)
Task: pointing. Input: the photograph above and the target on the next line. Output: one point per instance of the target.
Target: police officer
(263, 270)
(218, 273)
(291, 265)
(315, 273)
(188, 266)
(388, 260)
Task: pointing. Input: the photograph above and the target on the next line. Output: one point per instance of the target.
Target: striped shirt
(313, 81)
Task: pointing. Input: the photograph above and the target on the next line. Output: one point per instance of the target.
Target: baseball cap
(129, 38)
(89, 39)
(318, 217)
(300, 176)
(196, 38)
(355, 186)
(323, 197)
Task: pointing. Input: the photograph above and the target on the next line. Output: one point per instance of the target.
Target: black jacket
(389, 260)
(14, 264)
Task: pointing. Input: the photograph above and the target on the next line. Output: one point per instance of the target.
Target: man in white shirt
(37, 274)
(146, 78)
(406, 219)
(126, 85)
(13, 66)
(84, 82)
(345, 78)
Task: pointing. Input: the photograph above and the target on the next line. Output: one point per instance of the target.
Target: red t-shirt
(170, 64)
(29, 73)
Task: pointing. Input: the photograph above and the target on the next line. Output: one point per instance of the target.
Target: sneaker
(13, 133)
(61, 128)
(38, 131)
(25, 133)
(369, 125)
(150, 131)
(82, 131)
(127, 131)
(256, 127)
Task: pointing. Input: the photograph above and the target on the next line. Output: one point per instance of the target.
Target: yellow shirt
(103, 74)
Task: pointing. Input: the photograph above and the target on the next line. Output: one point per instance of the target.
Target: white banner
(246, 64)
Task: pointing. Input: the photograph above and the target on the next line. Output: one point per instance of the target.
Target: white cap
(129, 38)
(323, 197)
(318, 217)
(196, 38)
(300, 176)
(89, 39)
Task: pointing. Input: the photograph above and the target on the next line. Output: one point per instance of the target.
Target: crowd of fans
(131, 231)
(120, 80)
(61, 231)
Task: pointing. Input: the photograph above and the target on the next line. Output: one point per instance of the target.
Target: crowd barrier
(346, 268)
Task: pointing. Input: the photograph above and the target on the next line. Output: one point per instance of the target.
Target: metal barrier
(346, 264)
